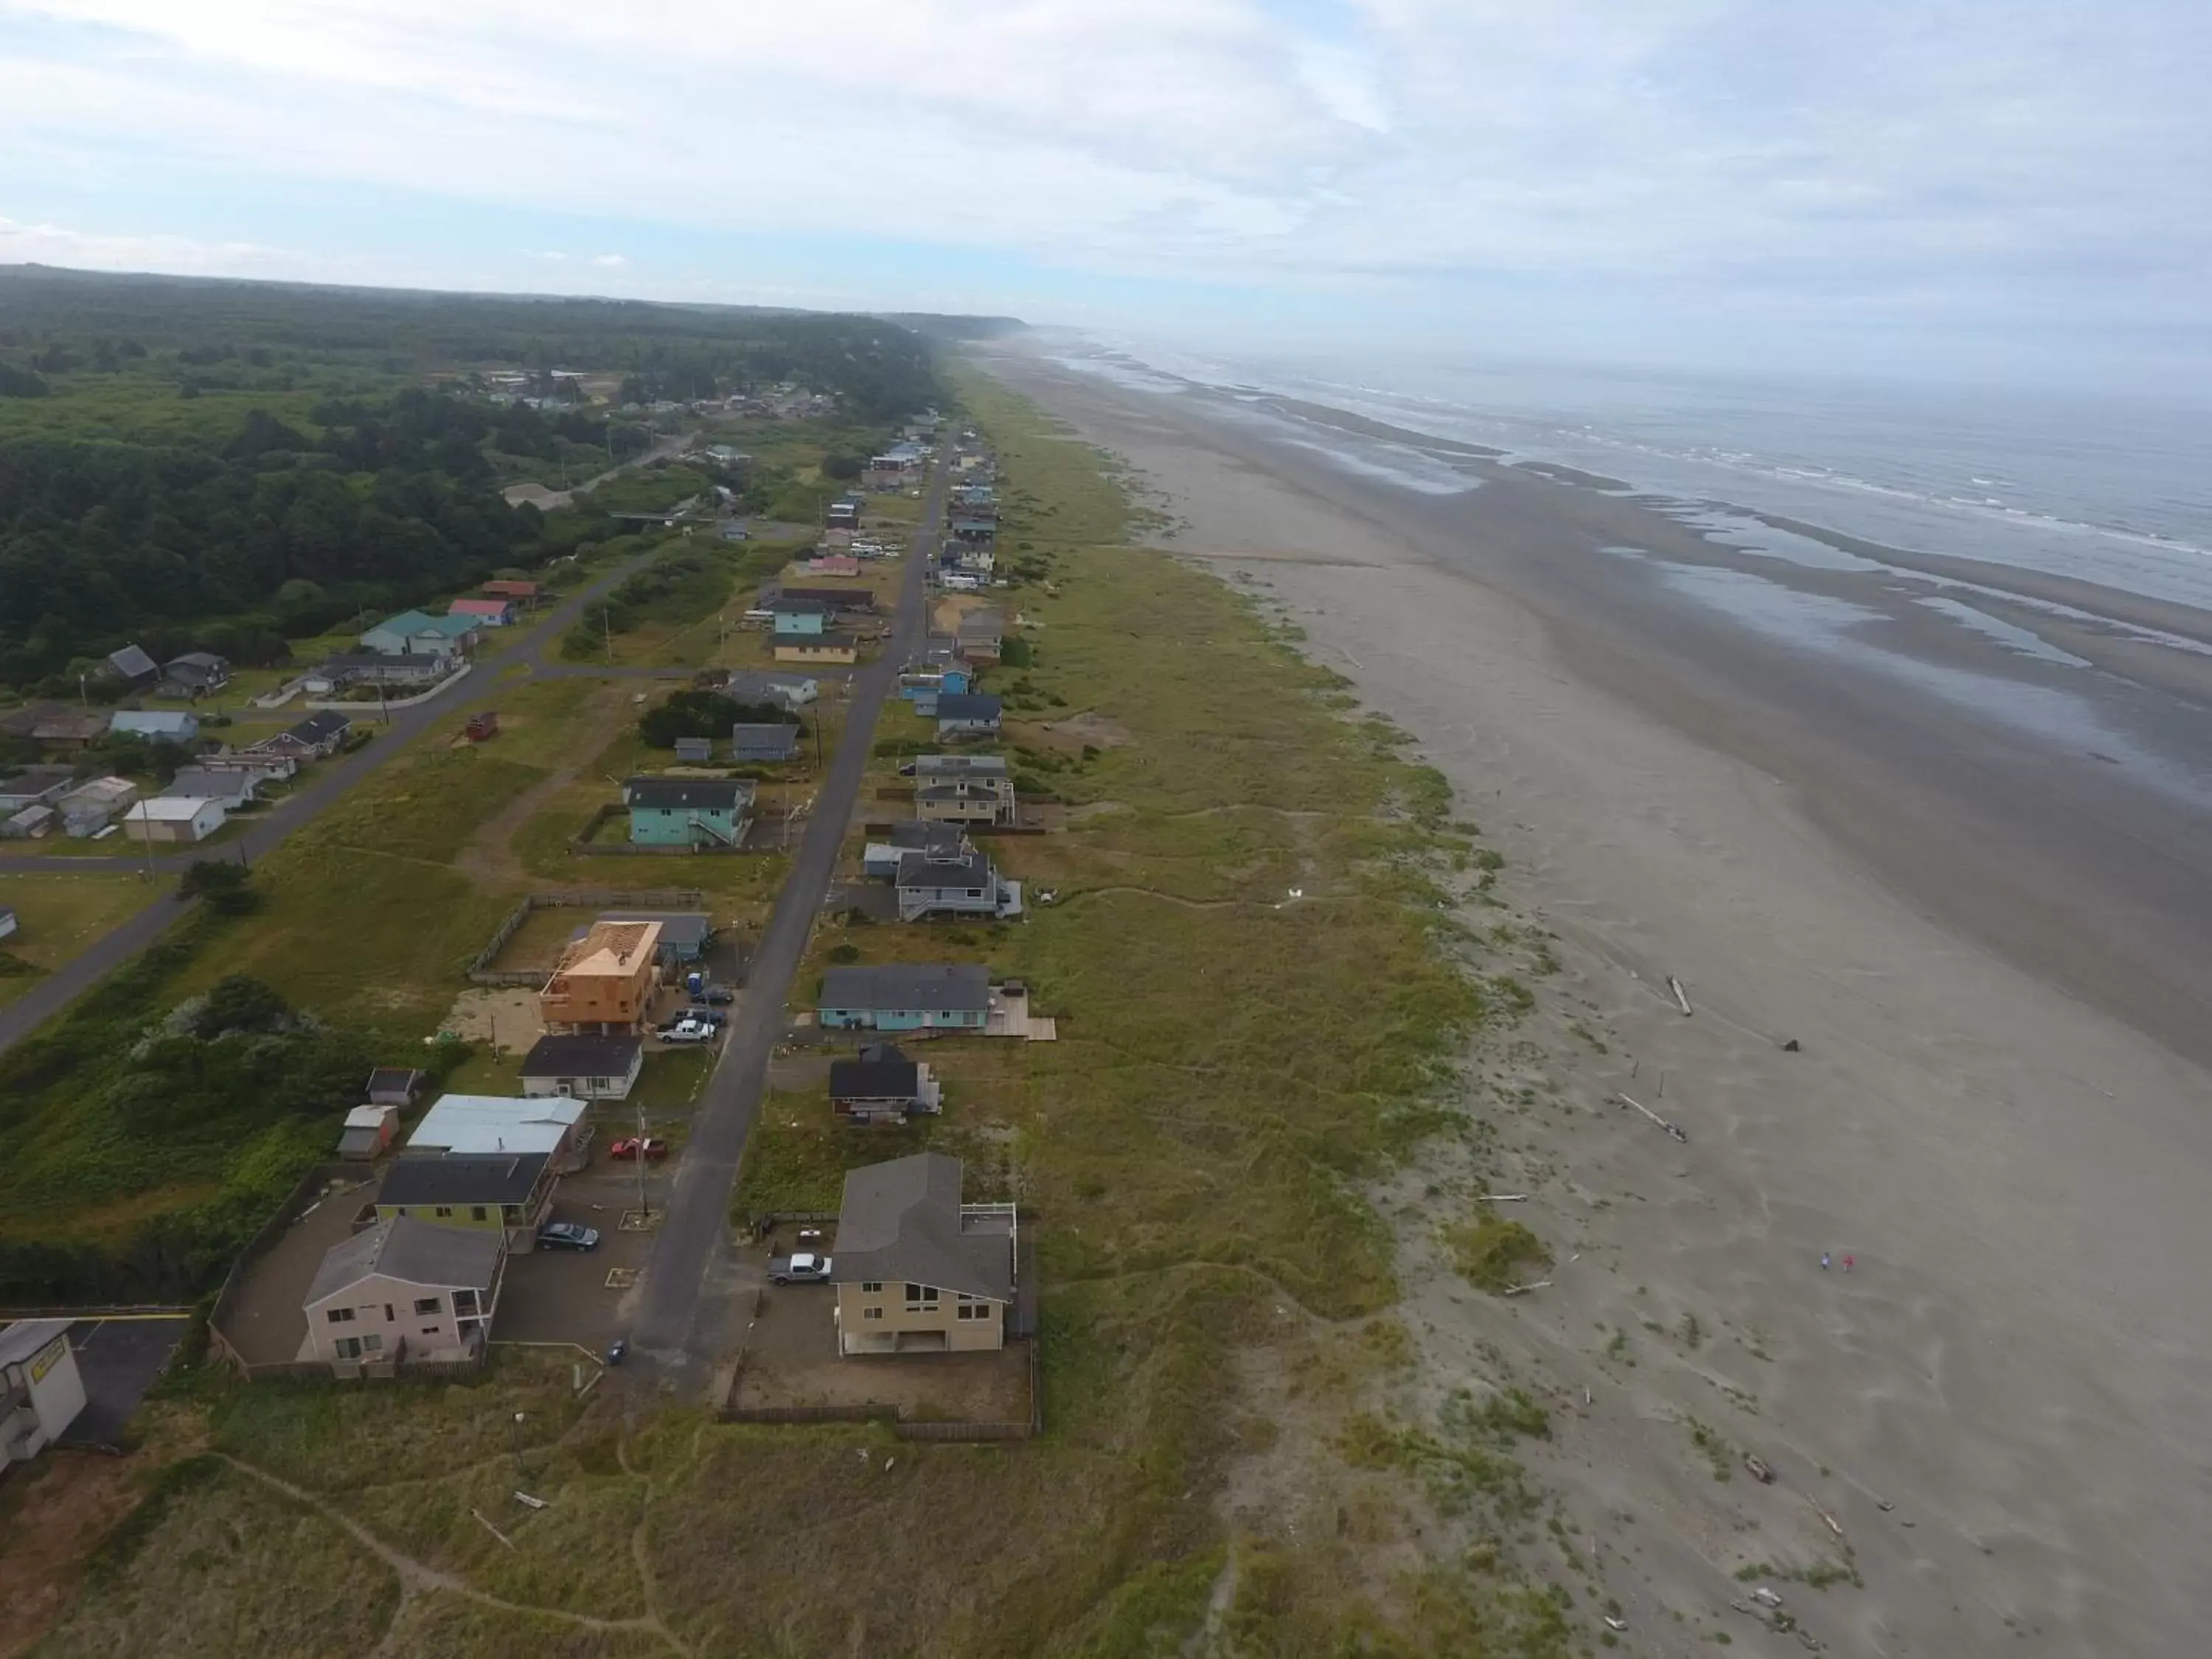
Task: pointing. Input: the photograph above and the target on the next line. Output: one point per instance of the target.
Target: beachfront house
(404, 1290)
(699, 813)
(905, 996)
(882, 1086)
(966, 714)
(960, 884)
(975, 791)
(916, 1270)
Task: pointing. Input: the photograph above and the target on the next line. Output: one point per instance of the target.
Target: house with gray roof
(404, 1290)
(916, 1270)
(962, 884)
(132, 666)
(905, 996)
(763, 745)
(967, 715)
(233, 789)
(506, 1193)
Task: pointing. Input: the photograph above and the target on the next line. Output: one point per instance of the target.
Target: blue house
(905, 996)
(700, 813)
(795, 616)
(417, 632)
(169, 725)
(923, 686)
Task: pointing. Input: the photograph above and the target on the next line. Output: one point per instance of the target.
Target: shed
(368, 1131)
(695, 751)
(174, 818)
(394, 1085)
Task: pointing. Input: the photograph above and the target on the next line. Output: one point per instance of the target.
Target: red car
(631, 1145)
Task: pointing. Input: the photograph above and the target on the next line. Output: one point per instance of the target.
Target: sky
(2003, 188)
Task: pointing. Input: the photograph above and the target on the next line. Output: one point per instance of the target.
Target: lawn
(58, 915)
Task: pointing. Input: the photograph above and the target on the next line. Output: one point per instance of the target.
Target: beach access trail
(1994, 1431)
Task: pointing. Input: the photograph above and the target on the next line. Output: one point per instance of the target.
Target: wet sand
(1972, 883)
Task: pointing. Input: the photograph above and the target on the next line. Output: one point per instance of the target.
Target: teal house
(698, 814)
(909, 996)
(411, 633)
(797, 617)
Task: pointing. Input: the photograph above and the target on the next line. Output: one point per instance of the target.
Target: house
(508, 589)
(486, 613)
(845, 513)
(492, 1192)
(881, 859)
(833, 564)
(374, 668)
(921, 685)
(416, 633)
(29, 825)
(822, 647)
(882, 1086)
(482, 1125)
(694, 812)
(799, 617)
(367, 1132)
(791, 691)
(603, 981)
(963, 884)
(584, 1067)
(195, 674)
(55, 725)
(966, 714)
(694, 751)
(973, 531)
(734, 530)
(916, 1270)
(764, 744)
(320, 735)
(232, 789)
(91, 807)
(40, 1391)
(837, 601)
(905, 996)
(394, 1085)
(403, 1290)
(34, 785)
(257, 764)
(131, 666)
(684, 934)
(975, 790)
(174, 818)
(981, 637)
(175, 725)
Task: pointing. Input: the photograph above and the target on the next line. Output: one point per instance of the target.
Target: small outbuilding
(174, 818)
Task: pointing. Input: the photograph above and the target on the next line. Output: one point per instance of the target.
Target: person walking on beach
(1824, 1262)
(1847, 1263)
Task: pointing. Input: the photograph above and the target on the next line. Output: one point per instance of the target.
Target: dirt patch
(506, 1019)
(76, 1498)
(1095, 730)
(490, 856)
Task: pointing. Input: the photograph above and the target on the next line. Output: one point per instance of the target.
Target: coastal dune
(1994, 1432)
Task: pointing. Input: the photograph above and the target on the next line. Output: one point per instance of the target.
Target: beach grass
(58, 916)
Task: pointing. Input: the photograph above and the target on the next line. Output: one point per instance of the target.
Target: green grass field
(58, 915)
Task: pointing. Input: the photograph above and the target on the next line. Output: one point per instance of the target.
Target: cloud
(2019, 153)
(60, 245)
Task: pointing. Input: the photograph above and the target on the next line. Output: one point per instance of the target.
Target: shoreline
(1992, 1404)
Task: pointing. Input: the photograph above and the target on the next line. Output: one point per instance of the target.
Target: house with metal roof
(905, 996)
(469, 1124)
(367, 1132)
(164, 725)
(230, 787)
(404, 1290)
(763, 745)
(132, 666)
(916, 1270)
(418, 633)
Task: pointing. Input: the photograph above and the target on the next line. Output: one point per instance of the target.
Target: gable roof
(695, 795)
(967, 869)
(320, 728)
(829, 599)
(479, 608)
(132, 663)
(901, 1220)
(155, 722)
(414, 1252)
(196, 783)
(962, 987)
(948, 766)
(881, 1073)
(459, 1125)
(775, 742)
(967, 705)
(681, 930)
(582, 1056)
(917, 836)
(463, 1178)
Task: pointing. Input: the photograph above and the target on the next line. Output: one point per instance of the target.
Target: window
(372, 1343)
(871, 1313)
(920, 1296)
(429, 1330)
(601, 1085)
(341, 1316)
(465, 1301)
(349, 1347)
(427, 1304)
(974, 1307)
(445, 1212)
(477, 1212)
(872, 1287)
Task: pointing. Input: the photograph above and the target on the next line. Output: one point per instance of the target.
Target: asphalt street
(688, 1295)
(326, 782)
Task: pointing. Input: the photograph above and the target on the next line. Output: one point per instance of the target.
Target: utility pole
(146, 840)
(644, 1204)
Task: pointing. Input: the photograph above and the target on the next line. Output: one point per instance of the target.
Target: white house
(40, 1391)
(404, 1290)
(173, 817)
(169, 725)
(585, 1067)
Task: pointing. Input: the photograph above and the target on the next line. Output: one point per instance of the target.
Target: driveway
(266, 1324)
(564, 1296)
(117, 1360)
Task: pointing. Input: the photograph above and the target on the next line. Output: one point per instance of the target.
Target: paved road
(327, 781)
(690, 1281)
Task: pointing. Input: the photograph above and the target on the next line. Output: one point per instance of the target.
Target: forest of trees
(120, 521)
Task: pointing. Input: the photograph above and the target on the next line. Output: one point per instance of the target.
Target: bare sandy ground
(2000, 1419)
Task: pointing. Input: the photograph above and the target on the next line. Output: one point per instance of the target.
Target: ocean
(2105, 490)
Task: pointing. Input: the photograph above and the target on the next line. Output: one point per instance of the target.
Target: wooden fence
(346, 1176)
(480, 969)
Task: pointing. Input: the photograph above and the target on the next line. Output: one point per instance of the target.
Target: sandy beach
(1948, 986)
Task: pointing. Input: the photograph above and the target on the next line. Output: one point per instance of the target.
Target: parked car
(722, 996)
(568, 1235)
(686, 1031)
(799, 1269)
(712, 1016)
(631, 1146)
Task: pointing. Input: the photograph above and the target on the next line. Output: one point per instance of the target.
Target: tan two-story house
(403, 1290)
(916, 1270)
